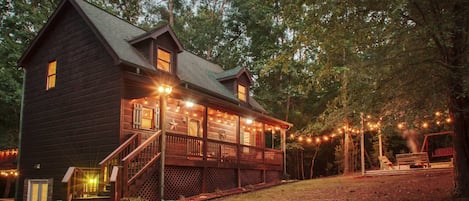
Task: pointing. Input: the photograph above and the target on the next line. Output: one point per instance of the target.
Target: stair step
(98, 198)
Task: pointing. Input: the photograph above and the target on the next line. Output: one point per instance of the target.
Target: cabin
(112, 111)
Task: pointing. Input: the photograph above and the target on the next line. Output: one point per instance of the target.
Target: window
(51, 74)
(38, 190)
(145, 117)
(242, 93)
(163, 60)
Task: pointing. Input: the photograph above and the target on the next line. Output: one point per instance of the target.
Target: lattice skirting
(221, 179)
(182, 182)
(150, 189)
(251, 177)
(187, 181)
(273, 176)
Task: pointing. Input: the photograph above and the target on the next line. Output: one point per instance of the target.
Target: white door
(38, 190)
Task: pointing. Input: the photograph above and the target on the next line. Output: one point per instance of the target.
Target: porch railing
(115, 158)
(140, 159)
(184, 146)
(190, 147)
(273, 157)
(222, 151)
(249, 154)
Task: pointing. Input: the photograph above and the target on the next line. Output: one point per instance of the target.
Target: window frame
(137, 117)
(51, 76)
(159, 59)
(242, 96)
(40, 182)
(150, 111)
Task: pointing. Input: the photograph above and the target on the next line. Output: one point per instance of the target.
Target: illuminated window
(163, 60)
(242, 93)
(51, 74)
(38, 190)
(144, 117)
(147, 118)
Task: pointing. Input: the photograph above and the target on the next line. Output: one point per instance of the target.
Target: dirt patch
(421, 185)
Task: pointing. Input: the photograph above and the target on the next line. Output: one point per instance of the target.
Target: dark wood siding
(77, 122)
(244, 80)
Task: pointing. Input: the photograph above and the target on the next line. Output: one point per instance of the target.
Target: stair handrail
(141, 158)
(122, 147)
(114, 158)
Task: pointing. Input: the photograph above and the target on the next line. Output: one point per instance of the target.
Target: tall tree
(407, 58)
(20, 21)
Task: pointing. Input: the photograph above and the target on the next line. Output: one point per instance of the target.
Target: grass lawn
(421, 186)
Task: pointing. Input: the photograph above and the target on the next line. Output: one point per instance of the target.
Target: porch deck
(184, 150)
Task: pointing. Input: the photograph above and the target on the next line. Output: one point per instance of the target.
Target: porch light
(92, 180)
(165, 89)
(189, 104)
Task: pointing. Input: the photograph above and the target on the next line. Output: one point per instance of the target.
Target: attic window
(242, 93)
(51, 74)
(163, 60)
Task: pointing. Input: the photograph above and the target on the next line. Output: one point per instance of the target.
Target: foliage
(315, 64)
(20, 21)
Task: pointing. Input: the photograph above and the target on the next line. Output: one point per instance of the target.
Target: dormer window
(163, 60)
(242, 95)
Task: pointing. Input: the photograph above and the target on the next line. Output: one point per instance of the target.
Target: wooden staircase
(125, 170)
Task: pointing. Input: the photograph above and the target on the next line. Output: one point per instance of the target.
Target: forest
(392, 70)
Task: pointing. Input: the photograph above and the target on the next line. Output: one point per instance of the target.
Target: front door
(194, 147)
(38, 190)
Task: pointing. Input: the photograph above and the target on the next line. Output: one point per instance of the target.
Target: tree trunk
(460, 114)
(298, 164)
(302, 166)
(287, 108)
(6, 192)
(459, 105)
(171, 12)
(347, 153)
(312, 162)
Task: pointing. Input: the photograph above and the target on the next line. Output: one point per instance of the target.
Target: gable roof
(117, 36)
(234, 73)
(158, 32)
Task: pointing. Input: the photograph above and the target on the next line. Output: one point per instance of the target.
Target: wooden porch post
(284, 150)
(164, 91)
(163, 143)
(204, 150)
(263, 153)
(238, 141)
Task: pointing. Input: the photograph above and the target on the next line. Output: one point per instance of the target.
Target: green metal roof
(116, 32)
(191, 69)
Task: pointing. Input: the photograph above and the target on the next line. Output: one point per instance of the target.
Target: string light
(8, 173)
